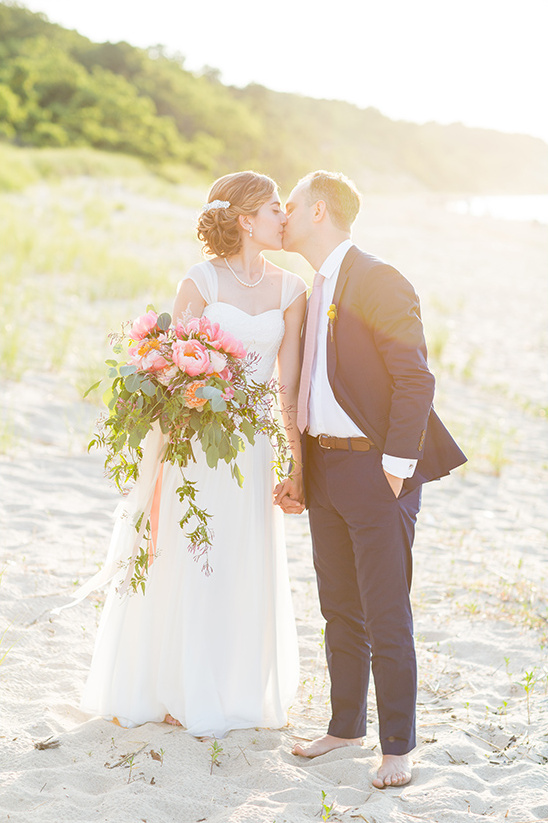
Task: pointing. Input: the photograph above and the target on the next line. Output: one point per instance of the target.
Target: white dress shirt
(325, 414)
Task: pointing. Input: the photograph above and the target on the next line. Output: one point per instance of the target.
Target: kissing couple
(219, 652)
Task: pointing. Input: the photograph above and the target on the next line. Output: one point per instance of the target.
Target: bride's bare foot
(171, 720)
(395, 770)
(325, 744)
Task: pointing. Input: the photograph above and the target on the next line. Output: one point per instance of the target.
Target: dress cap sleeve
(292, 287)
(204, 277)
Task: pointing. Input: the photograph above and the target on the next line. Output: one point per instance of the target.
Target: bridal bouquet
(193, 380)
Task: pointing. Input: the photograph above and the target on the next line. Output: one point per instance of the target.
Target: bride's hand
(289, 495)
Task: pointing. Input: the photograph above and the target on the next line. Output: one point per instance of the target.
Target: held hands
(289, 495)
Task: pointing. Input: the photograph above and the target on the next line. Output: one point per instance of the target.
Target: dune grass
(82, 254)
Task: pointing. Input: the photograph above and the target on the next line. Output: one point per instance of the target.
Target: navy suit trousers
(362, 536)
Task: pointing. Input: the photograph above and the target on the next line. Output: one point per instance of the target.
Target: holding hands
(289, 495)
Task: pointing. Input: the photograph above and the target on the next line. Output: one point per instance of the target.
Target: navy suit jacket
(377, 366)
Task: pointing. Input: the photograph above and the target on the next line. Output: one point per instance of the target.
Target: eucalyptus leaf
(129, 368)
(132, 383)
(237, 475)
(217, 433)
(164, 321)
(212, 457)
(134, 440)
(208, 392)
(195, 420)
(237, 442)
(224, 447)
(248, 430)
(148, 387)
(218, 404)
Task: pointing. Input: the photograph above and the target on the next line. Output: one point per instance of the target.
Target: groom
(370, 439)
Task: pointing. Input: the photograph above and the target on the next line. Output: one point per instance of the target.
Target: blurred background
(116, 117)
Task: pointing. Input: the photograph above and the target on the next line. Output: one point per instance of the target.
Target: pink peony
(204, 328)
(147, 357)
(143, 325)
(191, 357)
(230, 345)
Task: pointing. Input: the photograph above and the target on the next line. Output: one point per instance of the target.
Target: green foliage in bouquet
(194, 381)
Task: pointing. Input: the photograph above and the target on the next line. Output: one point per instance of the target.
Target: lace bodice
(260, 333)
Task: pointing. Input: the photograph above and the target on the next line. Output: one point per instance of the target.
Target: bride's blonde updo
(218, 227)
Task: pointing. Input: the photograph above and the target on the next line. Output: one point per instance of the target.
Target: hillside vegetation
(58, 89)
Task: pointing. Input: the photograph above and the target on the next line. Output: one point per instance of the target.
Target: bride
(218, 652)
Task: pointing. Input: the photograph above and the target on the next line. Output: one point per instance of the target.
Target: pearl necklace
(247, 285)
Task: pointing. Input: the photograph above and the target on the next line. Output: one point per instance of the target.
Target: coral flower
(191, 400)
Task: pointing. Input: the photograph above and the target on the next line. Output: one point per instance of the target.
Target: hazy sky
(480, 62)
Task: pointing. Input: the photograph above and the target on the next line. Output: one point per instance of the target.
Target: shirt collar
(332, 262)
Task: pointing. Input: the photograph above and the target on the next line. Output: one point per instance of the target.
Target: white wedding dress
(217, 652)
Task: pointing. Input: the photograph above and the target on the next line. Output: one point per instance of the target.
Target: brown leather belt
(353, 444)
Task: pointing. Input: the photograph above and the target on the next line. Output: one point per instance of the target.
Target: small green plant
(528, 682)
(326, 811)
(502, 709)
(130, 762)
(215, 751)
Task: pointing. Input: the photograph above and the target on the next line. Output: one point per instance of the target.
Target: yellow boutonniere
(332, 315)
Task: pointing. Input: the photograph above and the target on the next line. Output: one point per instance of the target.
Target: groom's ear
(320, 211)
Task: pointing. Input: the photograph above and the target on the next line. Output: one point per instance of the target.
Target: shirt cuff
(398, 466)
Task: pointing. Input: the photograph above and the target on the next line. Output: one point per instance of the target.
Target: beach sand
(480, 591)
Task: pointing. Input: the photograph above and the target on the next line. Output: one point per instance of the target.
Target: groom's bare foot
(325, 744)
(171, 720)
(395, 770)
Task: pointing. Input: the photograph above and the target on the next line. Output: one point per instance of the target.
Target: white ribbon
(126, 539)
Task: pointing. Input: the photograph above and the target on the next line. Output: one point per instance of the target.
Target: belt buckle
(320, 439)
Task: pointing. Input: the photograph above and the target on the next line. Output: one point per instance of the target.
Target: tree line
(58, 89)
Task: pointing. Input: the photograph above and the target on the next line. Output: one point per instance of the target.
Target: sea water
(504, 207)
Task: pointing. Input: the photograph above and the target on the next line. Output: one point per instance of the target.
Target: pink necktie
(309, 351)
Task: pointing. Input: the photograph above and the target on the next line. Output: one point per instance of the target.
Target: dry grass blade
(49, 743)
(126, 758)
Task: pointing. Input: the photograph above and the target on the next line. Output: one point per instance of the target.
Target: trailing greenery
(58, 89)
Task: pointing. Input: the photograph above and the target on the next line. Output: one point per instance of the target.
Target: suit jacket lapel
(344, 271)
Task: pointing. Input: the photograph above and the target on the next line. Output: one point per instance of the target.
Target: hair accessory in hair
(216, 204)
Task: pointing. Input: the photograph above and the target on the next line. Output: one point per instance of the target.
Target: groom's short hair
(340, 194)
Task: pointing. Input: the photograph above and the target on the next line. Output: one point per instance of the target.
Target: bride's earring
(251, 231)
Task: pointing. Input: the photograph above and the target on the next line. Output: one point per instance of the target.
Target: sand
(480, 592)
